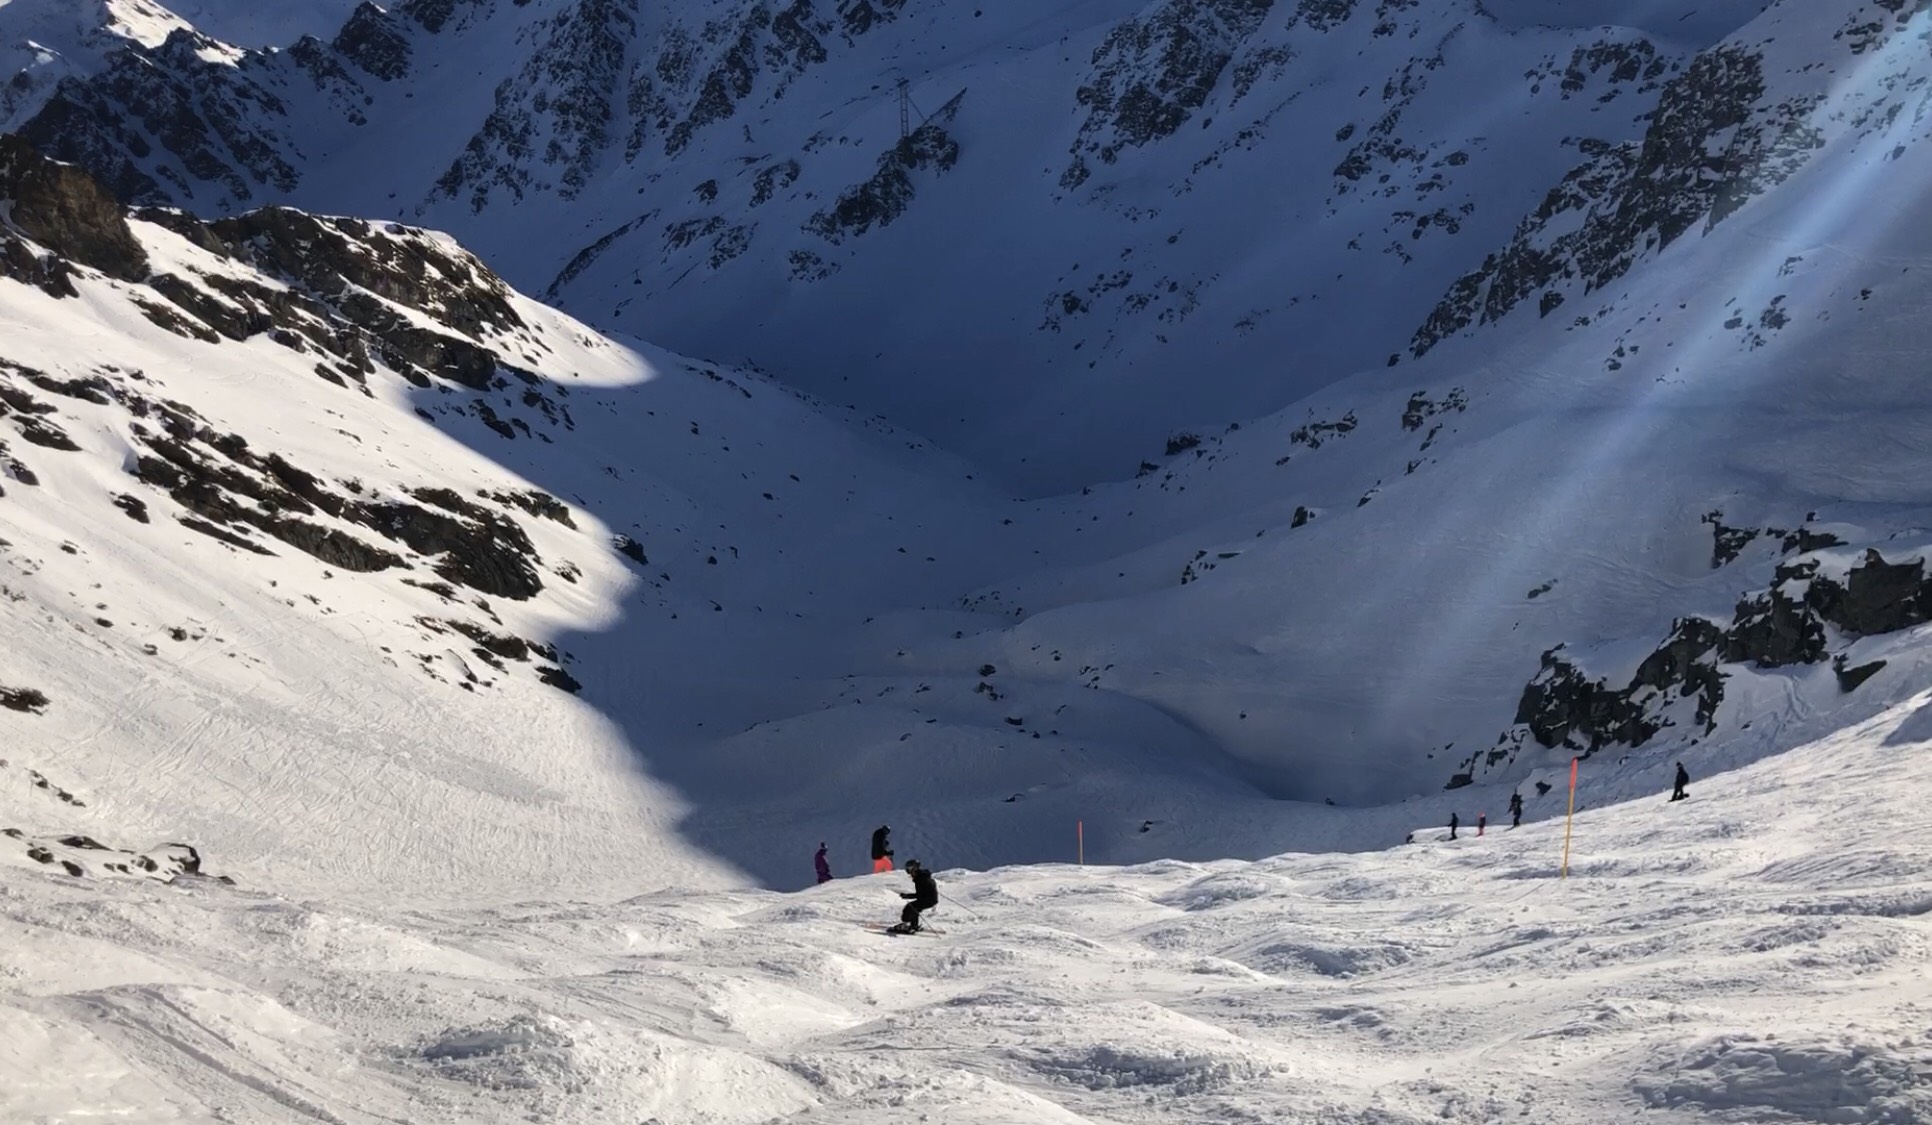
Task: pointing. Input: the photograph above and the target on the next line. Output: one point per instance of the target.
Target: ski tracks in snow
(1757, 952)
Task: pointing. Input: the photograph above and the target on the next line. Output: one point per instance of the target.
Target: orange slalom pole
(1569, 819)
(1080, 840)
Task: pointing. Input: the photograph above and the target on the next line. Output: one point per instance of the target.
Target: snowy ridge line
(675, 167)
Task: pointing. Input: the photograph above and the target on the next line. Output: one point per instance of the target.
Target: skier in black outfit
(924, 896)
(1454, 820)
(1515, 810)
(1683, 779)
(881, 849)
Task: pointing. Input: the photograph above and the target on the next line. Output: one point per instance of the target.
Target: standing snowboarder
(881, 849)
(924, 896)
(1515, 810)
(820, 865)
(1454, 820)
(1683, 779)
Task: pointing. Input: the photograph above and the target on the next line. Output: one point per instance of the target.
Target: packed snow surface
(1757, 953)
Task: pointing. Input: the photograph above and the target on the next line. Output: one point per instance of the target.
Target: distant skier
(1454, 821)
(1683, 779)
(1482, 823)
(1515, 810)
(820, 864)
(924, 896)
(882, 849)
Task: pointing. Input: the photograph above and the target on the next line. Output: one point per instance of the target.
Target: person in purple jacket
(819, 863)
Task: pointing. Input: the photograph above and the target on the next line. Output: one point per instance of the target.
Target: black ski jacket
(880, 848)
(925, 892)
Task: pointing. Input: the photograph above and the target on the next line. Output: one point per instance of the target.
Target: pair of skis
(897, 929)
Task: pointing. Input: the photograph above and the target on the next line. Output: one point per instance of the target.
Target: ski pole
(949, 899)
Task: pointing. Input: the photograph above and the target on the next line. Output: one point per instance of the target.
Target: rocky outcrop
(1795, 621)
(228, 491)
(1727, 542)
(1713, 143)
(336, 258)
(350, 293)
(884, 197)
(1151, 74)
(1788, 623)
(376, 42)
(1562, 706)
(856, 17)
(784, 42)
(557, 117)
(65, 210)
(84, 857)
(434, 14)
(222, 128)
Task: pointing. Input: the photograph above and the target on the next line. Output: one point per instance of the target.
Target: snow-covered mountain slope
(1600, 480)
(1180, 212)
(262, 597)
(45, 41)
(332, 565)
(308, 520)
(1541, 536)
(1757, 953)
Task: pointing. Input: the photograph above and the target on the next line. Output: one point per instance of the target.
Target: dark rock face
(1787, 624)
(180, 124)
(772, 179)
(479, 548)
(537, 502)
(345, 279)
(1152, 73)
(30, 417)
(1773, 630)
(233, 494)
(204, 472)
(337, 269)
(564, 93)
(885, 197)
(1793, 622)
(66, 211)
(375, 41)
(48, 273)
(218, 125)
(860, 16)
(630, 549)
(1729, 542)
(1625, 202)
(135, 507)
(1421, 407)
(1849, 679)
(560, 679)
(433, 14)
(1563, 706)
(1877, 597)
(401, 264)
